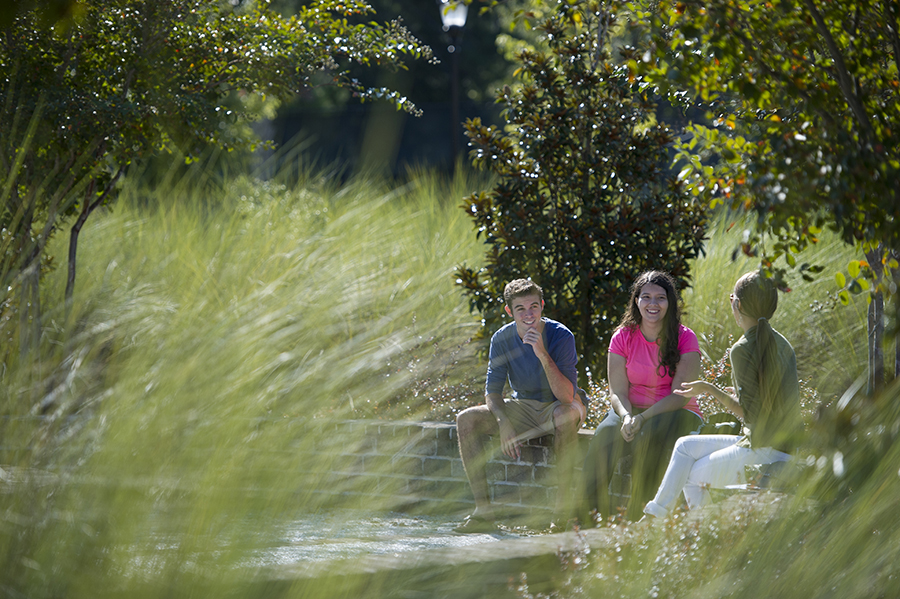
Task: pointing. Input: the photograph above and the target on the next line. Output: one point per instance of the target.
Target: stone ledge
(420, 462)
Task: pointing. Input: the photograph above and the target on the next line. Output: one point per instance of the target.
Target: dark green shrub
(584, 200)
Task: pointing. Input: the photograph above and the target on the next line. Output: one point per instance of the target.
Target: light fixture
(453, 14)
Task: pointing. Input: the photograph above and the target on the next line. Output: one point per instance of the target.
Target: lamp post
(453, 17)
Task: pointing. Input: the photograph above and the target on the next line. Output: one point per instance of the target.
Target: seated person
(536, 356)
(650, 355)
(766, 396)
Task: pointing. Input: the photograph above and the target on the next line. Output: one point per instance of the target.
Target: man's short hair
(520, 288)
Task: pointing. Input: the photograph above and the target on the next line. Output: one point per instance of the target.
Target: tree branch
(87, 208)
(845, 81)
(750, 47)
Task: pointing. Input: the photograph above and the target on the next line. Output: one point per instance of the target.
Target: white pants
(702, 462)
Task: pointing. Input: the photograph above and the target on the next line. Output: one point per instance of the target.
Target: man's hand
(534, 338)
(509, 444)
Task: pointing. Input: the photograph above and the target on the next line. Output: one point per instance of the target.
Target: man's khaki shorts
(532, 418)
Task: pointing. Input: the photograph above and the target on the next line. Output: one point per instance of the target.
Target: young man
(536, 356)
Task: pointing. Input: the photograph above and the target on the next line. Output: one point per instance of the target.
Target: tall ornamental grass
(206, 335)
(185, 405)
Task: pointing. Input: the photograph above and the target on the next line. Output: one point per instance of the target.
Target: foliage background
(584, 199)
(157, 409)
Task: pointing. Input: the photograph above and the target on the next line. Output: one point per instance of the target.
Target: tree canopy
(805, 119)
(802, 127)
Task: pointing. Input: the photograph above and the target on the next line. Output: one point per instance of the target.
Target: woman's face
(653, 304)
(735, 306)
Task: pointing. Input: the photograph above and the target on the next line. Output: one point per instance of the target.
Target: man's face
(526, 311)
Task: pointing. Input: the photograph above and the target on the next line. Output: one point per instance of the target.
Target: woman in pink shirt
(650, 354)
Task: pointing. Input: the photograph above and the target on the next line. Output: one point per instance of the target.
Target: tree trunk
(897, 357)
(875, 325)
(876, 347)
(895, 302)
(73, 253)
(91, 203)
(29, 278)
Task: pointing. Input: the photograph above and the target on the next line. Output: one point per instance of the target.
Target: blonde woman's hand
(693, 388)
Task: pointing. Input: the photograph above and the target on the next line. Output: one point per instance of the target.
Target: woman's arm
(618, 384)
(618, 393)
(728, 401)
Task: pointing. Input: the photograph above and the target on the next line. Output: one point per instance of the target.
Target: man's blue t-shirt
(513, 361)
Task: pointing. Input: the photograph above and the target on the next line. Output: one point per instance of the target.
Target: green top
(778, 426)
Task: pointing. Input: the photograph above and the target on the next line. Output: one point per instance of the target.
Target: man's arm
(560, 385)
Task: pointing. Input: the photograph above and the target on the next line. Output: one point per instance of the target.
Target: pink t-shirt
(647, 382)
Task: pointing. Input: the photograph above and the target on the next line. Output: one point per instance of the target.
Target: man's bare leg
(566, 420)
(473, 427)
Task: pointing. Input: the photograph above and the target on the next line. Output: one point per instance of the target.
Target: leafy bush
(584, 201)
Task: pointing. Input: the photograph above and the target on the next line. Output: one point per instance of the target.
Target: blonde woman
(766, 395)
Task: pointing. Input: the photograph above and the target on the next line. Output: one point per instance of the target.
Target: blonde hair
(758, 298)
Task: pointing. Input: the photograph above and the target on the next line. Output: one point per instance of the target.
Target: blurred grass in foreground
(202, 332)
(835, 535)
(208, 330)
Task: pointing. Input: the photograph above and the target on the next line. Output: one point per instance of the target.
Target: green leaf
(853, 268)
(844, 297)
(840, 280)
(730, 155)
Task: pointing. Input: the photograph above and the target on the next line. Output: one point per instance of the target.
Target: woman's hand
(725, 397)
(631, 425)
(694, 388)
